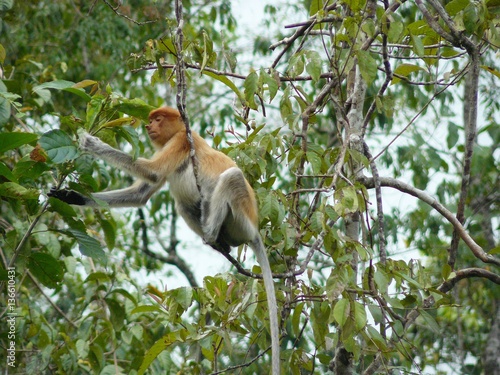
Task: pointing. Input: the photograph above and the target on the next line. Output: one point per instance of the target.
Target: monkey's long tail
(260, 253)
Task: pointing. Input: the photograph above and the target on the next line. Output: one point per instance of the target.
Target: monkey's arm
(140, 167)
(136, 195)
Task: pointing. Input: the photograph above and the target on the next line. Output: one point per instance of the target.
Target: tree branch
(470, 115)
(423, 196)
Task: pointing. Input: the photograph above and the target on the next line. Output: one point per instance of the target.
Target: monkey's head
(164, 123)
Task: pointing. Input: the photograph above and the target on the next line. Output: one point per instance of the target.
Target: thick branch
(380, 210)
(424, 197)
(470, 115)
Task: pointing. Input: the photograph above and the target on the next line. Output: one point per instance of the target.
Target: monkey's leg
(225, 217)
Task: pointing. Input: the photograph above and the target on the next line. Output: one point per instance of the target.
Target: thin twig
(115, 9)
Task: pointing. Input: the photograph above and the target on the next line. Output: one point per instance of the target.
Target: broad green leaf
(109, 228)
(471, 17)
(58, 85)
(341, 311)
(367, 66)
(430, 322)
(62, 208)
(418, 45)
(159, 346)
(376, 313)
(183, 296)
(377, 339)
(455, 6)
(296, 64)
(79, 92)
(404, 70)
(13, 190)
(145, 309)
(297, 313)
(452, 138)
(359, 315)
(117, 313)
(251, 86)
(7, 173)
(313, 65)
(46, 269)
(270, 208)
(88, 246)
(271, 82)
(9, 141)
(226, 81)
(135, 107)
(113, 369)
(395, 31)
(316, 6)
(315, 161)
(6, 5)
(59, 146)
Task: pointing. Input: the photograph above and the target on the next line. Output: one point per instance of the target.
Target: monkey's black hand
(68, 196)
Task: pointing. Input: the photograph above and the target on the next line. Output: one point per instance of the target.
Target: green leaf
(46, 269)
(430, 322)
(79, 92)
(6, 5)
(59, 146)
(491, 70)
(135, 107)
(62, 208)
(58, 85)
(13, 190)
(272, 83)
(367, 66)
(9, 141)
(88, 246)
(359, 316)
(145, 309)
(376, 338)
(183, 296)
(158, 347)
(7, 173)
(341, 311)
(455, 6)
(270, 208)
(452, 138)
(251, 86)
(404, 70)
(315, 161)
(313, 66)
(418, 45)
(471, 17)
(94, 108)
(117, 313)
(226, 81)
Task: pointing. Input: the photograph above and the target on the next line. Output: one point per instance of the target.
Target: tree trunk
(491, 355)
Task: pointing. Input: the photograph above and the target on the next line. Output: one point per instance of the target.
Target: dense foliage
(369, 131)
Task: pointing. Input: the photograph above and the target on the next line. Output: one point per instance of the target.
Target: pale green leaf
(341, 311)
(367, 66)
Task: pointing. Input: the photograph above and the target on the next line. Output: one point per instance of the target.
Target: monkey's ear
(68, 196)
